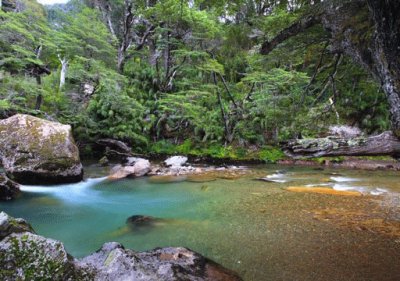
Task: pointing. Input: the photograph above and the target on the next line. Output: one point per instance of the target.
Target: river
(257, 228)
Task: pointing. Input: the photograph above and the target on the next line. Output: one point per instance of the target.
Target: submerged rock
(140, 221)
(167, 179)
(27, 256)
(138, 167)
(8, 189)
(37, 151)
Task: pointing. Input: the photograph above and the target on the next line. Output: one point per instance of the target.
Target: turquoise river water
(257, 228)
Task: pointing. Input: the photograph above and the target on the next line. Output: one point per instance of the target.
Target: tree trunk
(63, 72)
(383, 144)
(39, 97)
(386, 15)
(121, 59)
(369, 32)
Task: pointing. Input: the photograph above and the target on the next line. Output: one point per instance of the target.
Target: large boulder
(27, 256)
(37, 151)
(8, 189)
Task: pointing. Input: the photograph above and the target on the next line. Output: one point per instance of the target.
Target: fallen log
(383, 144)
(116, 145)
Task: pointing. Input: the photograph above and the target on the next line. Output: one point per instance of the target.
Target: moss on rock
(34, 151)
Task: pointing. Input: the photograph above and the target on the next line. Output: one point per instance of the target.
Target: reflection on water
(257, 228)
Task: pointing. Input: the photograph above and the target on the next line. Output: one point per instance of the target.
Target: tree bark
(386, 15)
(63, 72)
(291, 31)
(383, 144)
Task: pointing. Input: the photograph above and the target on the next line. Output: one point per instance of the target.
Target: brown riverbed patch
(358, 220)
(167, 179)
(204, 177)
(323, 190)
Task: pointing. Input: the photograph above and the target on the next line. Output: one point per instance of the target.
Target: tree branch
(293, 30)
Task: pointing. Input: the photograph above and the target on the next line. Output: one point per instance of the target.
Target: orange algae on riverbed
(323, 190)
(372, 221)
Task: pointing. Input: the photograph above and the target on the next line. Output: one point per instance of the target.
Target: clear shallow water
(256, 228)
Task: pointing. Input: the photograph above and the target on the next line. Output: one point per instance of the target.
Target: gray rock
(176, 161)
(138, 167)
(37, 151)
(142, 167)
(27, 256)
(8, 189)
(114, 262)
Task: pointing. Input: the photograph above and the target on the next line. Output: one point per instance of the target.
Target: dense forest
(223, 78)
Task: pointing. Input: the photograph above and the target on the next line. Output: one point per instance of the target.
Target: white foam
(67, 192)
(345, 187)
(277, 177)
(344, 179)
(378, 191)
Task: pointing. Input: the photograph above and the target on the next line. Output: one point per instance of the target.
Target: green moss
(323, 160)
(33, 262)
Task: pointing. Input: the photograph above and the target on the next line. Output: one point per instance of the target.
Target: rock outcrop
(28, 256)
(37, 151)
(8, 189)
(8, 5)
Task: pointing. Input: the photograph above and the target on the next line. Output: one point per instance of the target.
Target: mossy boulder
(8, 189)
(37, 151)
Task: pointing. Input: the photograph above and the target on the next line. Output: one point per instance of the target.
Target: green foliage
(193, 80)
(271, 154)
(115, 115)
